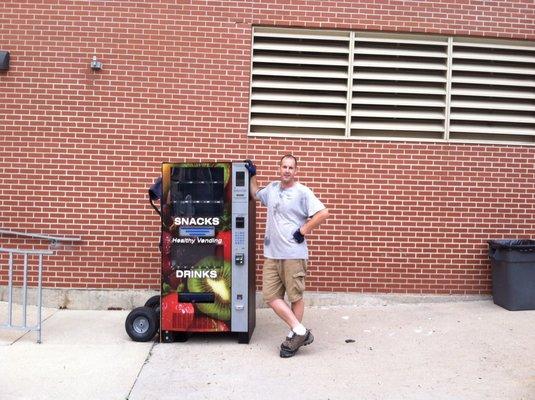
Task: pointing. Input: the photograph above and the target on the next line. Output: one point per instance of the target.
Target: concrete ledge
(83, 299)
(94, 299)
(381, 299)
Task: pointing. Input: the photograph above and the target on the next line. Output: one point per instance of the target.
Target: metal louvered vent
(299, 82)
(399, 86)
(354, 85)
(492, 91)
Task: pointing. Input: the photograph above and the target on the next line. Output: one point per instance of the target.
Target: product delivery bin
(513, 273)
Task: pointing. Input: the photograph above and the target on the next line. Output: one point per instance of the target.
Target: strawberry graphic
(226, 237)
(176, 316)
(202, 323)
(166, 242)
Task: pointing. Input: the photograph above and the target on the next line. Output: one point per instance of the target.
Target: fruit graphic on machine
(220, 287)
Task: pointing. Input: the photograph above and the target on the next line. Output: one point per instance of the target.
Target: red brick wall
(78, 149)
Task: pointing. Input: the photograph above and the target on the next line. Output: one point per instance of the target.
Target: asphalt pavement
(384, 350)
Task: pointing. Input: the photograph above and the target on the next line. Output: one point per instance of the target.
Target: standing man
(293, 211)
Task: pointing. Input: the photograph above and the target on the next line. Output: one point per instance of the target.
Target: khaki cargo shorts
(281, 276)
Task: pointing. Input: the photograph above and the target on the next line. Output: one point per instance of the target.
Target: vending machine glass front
(196, 237)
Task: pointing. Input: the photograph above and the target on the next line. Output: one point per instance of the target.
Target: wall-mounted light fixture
(4, 60)
(96, 65)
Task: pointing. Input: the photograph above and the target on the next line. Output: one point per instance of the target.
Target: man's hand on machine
(298, 236)
(249, 165)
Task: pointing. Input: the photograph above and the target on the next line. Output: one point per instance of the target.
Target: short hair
(289, 156)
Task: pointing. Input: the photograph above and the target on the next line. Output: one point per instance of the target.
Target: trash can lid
(513, 244)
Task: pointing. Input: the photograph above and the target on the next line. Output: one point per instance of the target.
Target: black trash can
(513, 273)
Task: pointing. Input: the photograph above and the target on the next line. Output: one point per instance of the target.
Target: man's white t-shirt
(287, 210)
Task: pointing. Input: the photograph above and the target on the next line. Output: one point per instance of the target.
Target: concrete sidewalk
(453, 350)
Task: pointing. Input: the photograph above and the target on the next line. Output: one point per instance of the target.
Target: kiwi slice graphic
(219, 285)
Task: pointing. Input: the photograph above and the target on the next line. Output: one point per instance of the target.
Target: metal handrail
(53, 239)
(19, 251)
(25, 326)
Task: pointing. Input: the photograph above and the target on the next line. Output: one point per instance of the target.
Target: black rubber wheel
(141, 324)
(153, 302)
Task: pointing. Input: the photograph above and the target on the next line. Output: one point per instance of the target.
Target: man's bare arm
(253, 187)
(315, 221)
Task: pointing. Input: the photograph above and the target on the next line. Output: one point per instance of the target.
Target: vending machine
(208, 250)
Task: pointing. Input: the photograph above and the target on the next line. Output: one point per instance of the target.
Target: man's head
(288, 167)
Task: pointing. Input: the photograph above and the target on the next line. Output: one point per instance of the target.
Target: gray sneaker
(290, 346)
(286, 343)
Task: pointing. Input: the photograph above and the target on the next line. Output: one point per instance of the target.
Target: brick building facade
(79, 148)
